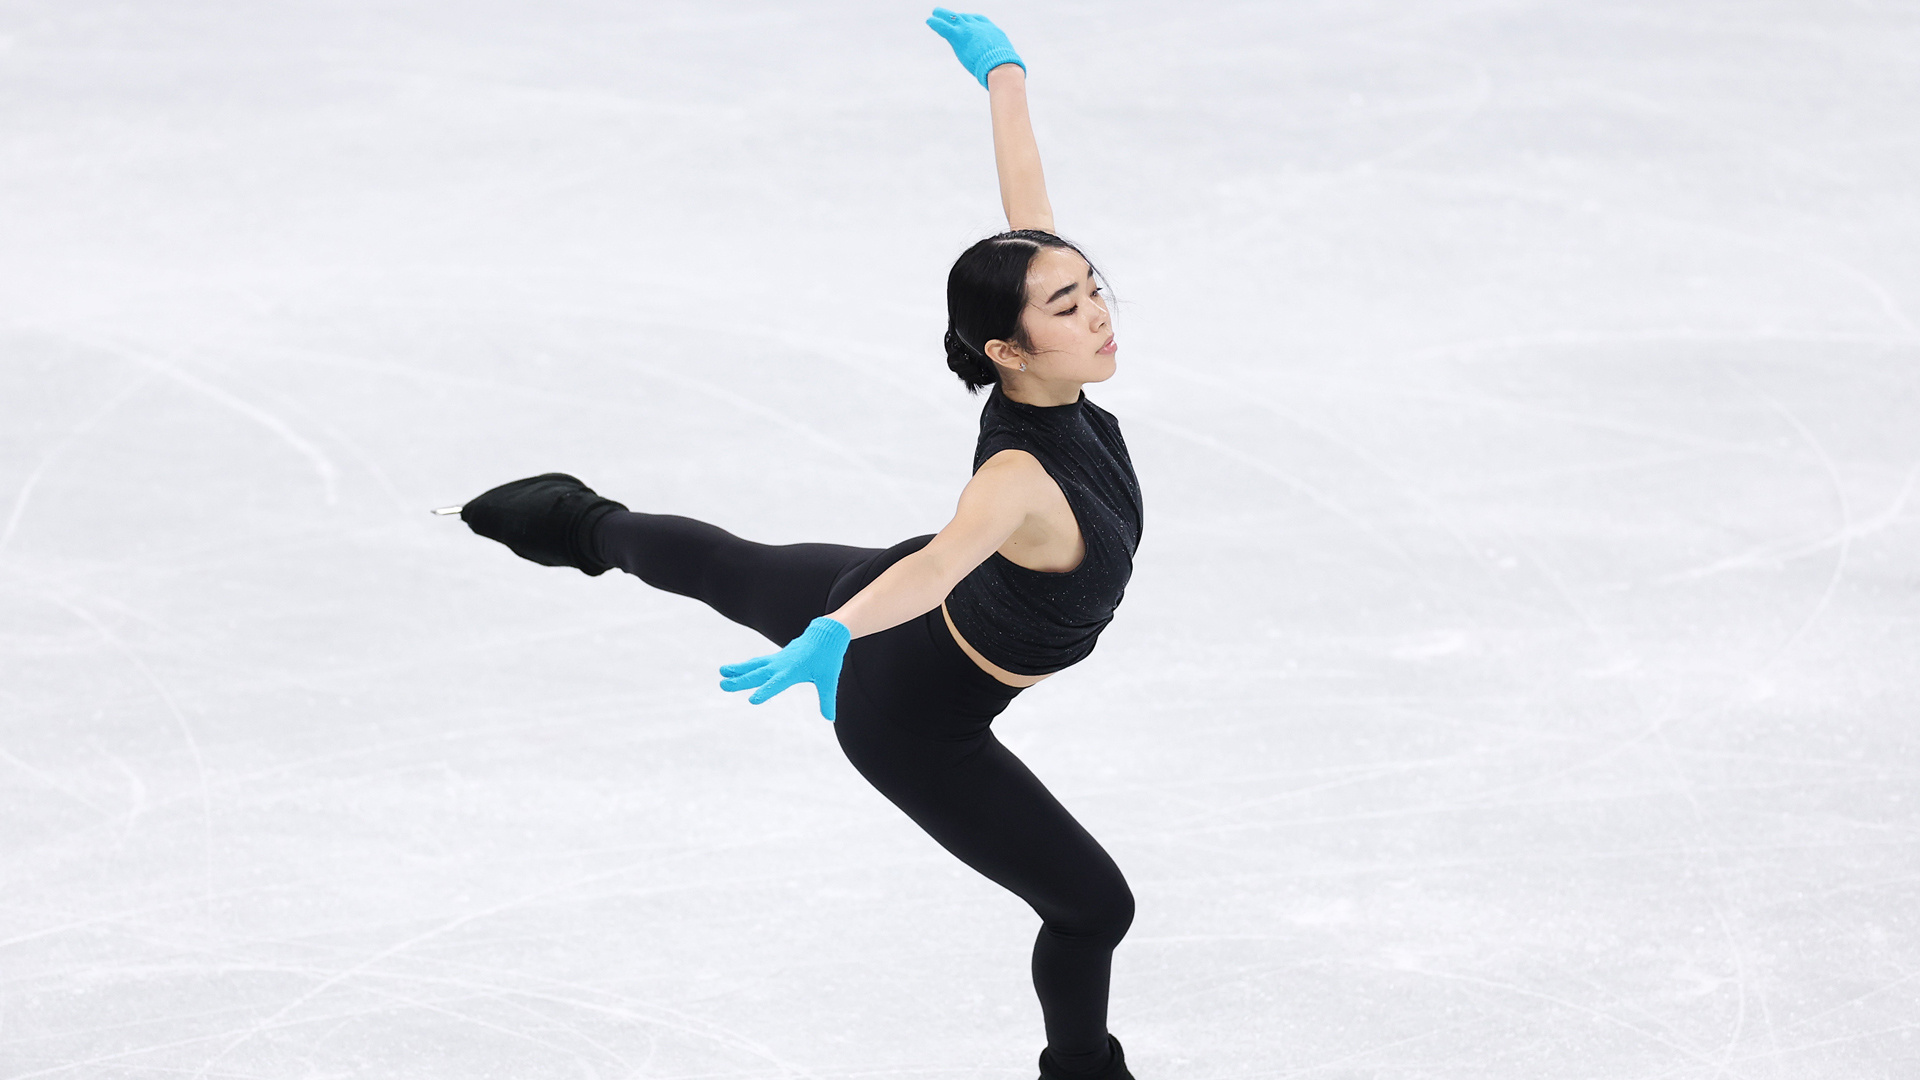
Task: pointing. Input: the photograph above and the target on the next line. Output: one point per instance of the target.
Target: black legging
(915, 717)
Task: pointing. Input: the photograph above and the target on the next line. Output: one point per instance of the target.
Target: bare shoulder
(1014, 464)
(1016, 480)
(1017, 473)
(997, 501)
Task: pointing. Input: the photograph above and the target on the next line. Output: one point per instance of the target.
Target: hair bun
(967, 362)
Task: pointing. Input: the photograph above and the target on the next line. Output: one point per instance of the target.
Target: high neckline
(1000, 389)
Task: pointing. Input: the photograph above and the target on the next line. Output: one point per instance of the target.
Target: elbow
(943, 571)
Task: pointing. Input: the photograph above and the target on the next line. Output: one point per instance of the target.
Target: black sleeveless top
(1036, 622)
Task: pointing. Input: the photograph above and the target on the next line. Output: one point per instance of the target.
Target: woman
(936, 635)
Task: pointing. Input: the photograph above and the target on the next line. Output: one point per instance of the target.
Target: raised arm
(985, 51)
(1004, 490)
(1023, 187)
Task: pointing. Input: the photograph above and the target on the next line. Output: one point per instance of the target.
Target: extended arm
(1023, 186)
(992, 507)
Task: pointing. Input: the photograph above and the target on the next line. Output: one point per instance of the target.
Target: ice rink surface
(1518, 678)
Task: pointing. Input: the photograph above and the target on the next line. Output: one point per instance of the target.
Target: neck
(1041, 393)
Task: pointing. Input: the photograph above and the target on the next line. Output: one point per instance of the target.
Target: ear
(1005, 353)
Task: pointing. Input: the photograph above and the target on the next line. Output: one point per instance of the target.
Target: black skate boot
(1115, 1069)
(547, 518)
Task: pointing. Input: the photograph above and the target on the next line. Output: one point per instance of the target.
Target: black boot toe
(547, 519)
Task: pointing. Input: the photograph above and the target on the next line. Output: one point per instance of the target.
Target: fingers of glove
(745, 666)
(957, 35)
(780, 682)
(959, 27)
(750, 679)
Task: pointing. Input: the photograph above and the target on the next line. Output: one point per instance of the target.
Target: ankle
(585, 539)
(1108, 1063)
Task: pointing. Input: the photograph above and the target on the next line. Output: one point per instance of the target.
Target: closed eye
(1095, 293)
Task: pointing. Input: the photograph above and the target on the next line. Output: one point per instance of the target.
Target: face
(1066, 319)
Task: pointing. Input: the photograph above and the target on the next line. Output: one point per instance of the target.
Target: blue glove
(980, 45)
(812, 657)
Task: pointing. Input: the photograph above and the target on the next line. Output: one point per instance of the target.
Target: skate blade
(445, 510)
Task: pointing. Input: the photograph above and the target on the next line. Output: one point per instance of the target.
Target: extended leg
(776, 589)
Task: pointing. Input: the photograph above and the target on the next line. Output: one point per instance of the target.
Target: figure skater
(914, 649)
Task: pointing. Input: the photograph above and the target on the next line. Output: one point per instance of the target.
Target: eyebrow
(1065, 289)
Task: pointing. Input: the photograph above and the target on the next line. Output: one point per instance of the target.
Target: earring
(1023, 367)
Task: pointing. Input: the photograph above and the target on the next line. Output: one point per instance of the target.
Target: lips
(1109, 347)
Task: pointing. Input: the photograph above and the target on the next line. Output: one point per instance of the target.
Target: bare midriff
(986, 665)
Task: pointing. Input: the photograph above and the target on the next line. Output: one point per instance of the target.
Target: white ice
(1519, 676)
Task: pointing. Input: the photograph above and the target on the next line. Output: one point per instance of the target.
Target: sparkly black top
(1035, 622)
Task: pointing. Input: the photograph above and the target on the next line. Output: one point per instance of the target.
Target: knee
(1117, 917)
(1100, 918)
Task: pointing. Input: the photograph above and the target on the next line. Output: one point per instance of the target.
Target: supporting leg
(979, 801)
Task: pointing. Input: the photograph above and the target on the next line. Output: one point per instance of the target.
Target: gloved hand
(813, 657)
(980, 45)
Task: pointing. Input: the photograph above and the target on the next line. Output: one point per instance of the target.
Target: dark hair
(986, 292)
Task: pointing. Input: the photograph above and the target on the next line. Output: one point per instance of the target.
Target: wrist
(1008, 75)
(828, 629)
